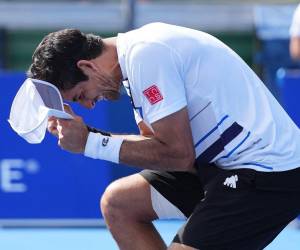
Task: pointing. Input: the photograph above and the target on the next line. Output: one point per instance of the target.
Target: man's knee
(177, 246)
(111, 200)
(127, 198)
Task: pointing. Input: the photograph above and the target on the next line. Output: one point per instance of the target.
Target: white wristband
(103, 147)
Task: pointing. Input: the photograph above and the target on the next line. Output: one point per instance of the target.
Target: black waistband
(284, 181)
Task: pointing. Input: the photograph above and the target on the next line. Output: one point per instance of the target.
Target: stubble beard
(109, 87)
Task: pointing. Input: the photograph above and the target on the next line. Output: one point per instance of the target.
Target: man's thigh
(174, 195)
(151, 195)
(237, 214)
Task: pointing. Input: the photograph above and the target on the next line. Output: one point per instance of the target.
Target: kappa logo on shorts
(153, 94)
(231, 181)
(105, 141)
(204, 195)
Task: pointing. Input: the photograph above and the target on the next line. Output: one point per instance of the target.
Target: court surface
(100, 239)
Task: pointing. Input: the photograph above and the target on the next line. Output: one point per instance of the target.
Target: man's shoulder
(146, 51)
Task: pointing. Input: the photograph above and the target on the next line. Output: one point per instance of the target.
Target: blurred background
(44, 187)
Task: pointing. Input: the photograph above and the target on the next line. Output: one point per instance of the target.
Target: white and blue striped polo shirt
(235, 121)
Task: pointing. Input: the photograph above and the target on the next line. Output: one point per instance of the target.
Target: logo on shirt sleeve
(153, 94)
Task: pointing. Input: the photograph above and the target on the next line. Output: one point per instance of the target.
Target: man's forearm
(170, 147)
(131, 137)
(139, 151)
(153, 154)
(126, 137)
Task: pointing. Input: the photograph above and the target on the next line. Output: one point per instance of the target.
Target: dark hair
(55, 59)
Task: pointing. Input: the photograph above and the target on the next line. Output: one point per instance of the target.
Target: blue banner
(44, 182)
(288, 81)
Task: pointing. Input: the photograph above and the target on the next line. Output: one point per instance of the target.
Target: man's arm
(170, 147)
(145, 130)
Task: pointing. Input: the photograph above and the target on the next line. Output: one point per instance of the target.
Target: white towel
(33, 104)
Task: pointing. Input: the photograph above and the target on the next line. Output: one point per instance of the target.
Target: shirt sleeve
(295, 26)
(156, 75)
(137, 117)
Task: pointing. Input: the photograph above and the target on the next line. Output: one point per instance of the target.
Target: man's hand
(52, 126)
(52, 121)
(72, 134)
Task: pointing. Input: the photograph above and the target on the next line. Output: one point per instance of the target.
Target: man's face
(99, 86)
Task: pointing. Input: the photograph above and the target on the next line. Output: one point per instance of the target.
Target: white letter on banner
(10, 173)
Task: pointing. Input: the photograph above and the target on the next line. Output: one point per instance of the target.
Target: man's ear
(87, 67)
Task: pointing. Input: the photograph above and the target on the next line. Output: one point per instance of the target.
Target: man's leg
(128, 213)
(176, 246)
(247, 215)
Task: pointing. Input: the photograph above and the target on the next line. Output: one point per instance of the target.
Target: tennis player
(216, 147)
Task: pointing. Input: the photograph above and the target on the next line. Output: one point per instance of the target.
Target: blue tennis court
(99, 238)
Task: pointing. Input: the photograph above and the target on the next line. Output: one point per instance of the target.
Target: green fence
(20, 45)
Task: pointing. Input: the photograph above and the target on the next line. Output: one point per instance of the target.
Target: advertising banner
(41, 182)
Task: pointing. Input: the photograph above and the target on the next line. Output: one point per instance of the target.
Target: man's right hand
(52, 121)
(52, 126)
